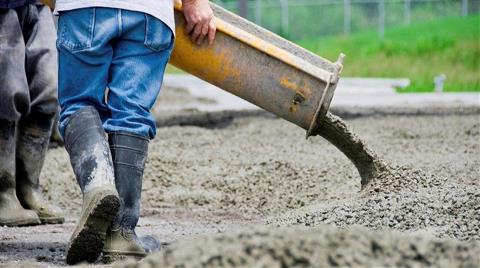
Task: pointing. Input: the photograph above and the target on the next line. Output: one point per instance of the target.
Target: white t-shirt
(160, 9)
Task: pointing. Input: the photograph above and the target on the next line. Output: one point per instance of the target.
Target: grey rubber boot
(32, 143)
(129, 153)
(11, 211)
(87, 145)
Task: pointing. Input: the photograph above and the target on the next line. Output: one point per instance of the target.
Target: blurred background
(433, 43)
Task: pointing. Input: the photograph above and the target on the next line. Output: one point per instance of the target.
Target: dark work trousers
(28, 62)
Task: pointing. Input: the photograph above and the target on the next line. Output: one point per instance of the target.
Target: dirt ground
(251, 191)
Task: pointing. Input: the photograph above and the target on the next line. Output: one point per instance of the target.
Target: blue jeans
(123, 51)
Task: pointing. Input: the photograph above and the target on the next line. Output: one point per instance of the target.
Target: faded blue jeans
(124, 51)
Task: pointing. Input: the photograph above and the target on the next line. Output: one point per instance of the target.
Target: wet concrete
(369, 165)
(257, 173)
(422, 206)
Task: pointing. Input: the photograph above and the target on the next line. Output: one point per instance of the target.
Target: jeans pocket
(158, 35)
(75, 29)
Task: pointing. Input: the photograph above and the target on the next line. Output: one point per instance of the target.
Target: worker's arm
(200, 22)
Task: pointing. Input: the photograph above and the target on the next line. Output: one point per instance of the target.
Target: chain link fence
(304, 19)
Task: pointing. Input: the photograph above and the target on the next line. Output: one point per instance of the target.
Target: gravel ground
(247, 177)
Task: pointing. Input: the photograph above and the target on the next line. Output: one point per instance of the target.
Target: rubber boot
(11, 211)
(32, 144)
(129, 153)
(56, 137)
(87, 145)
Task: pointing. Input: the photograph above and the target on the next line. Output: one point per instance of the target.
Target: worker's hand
(200, 23)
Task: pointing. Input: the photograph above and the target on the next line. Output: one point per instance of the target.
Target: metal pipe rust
(260, 67)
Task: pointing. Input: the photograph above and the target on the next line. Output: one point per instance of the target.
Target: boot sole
(88, 240)
(52, 220)
(18, 223)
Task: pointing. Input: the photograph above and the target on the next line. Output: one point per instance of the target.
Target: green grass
(420, 52)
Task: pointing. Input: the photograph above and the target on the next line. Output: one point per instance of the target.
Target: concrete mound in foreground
(323, 246)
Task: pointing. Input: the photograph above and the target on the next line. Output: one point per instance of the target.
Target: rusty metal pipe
(260, 67)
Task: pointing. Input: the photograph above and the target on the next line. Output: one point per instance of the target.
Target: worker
(28, 104)
(112, 58)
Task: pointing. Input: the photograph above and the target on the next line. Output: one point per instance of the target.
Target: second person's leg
(34, 128)
(14, 102)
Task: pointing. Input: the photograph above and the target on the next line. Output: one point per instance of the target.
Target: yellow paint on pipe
(206, 63)
(50, 3)
(287, 83)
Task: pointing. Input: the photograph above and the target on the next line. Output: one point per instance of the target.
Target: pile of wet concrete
(441, 210)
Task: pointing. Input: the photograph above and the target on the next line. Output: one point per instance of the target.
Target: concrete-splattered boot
(32, 143)
(129, 153)
(87, 145)
(11, 211)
